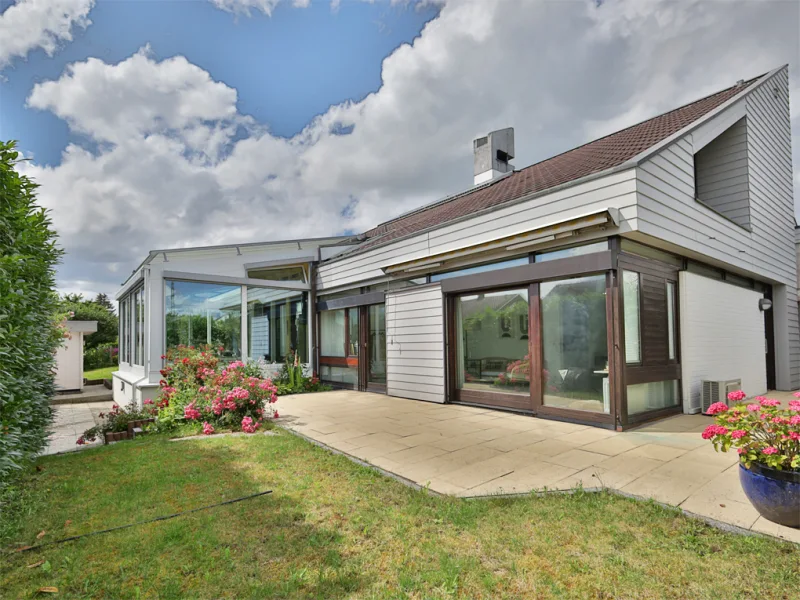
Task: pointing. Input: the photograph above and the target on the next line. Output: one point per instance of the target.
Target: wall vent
(717, 391)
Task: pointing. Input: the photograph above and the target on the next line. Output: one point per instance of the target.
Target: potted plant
(118, 423)
(767, 438)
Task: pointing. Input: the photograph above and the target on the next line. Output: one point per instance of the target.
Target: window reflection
(492, 338)
(204, 313)
(277, 324)
(514, 262)
(574, 344)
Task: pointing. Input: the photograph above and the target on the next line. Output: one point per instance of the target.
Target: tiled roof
(597, 156)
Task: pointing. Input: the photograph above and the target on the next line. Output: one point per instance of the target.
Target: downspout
(312, 314)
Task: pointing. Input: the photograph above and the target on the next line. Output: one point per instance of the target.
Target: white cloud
(244, 6)
(176, 165)
(31, 24)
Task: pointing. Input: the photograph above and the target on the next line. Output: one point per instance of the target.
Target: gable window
(721, 175)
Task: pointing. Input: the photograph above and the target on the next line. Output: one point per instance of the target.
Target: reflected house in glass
(602, 285)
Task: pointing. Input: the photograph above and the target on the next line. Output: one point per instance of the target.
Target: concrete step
(90, 393)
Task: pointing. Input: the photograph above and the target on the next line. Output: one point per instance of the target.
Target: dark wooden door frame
(769, 332)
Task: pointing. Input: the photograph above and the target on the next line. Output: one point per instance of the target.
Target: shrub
(29, 332)
(90, 310)
(292, 380)
(762, 432)
(197, 387)
(104, 355)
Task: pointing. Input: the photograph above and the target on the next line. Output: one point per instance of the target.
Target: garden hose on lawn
(163, 518)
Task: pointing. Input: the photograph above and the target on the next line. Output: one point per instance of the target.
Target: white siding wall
(722, 337)
(667, 209)
(615, 191)
(415, 343)
(722, 181)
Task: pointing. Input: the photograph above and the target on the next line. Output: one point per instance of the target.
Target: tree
(29, 317)
(90, 310)
(104, 301)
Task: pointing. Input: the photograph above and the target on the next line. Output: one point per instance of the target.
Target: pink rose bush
(198, 387)
(762, 432)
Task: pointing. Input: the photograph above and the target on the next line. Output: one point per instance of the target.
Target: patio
(472, 452)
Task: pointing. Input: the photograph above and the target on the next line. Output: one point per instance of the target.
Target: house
(600, 286)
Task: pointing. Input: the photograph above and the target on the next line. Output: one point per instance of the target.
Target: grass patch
(333, 529)
(104, 373)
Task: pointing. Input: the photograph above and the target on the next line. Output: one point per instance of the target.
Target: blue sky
(287, 68)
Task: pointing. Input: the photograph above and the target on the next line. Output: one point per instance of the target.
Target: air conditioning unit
(717, 391)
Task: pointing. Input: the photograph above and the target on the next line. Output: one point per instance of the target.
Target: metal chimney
(492, 153)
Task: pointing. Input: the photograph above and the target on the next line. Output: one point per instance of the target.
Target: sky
(194, 122)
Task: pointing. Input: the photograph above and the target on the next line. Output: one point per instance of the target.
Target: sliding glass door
(540, 348)
(353, 347)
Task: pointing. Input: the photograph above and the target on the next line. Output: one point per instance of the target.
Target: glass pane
(279, 274)
(574, 251)
(332, 333)
(352, 338)
(630, 297)
(377, 343)
(204, 313)
(574, 344)
(136, 329)
(277, 324)
(514, 262)
(644, 397)
(140, 327)
(341, 375)
(493, 353)
(671, 319)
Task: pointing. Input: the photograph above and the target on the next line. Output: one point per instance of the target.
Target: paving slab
(469, 452)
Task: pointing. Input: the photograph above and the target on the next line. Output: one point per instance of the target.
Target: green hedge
(29, 334)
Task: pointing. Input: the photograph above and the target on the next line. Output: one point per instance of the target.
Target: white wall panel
(415, 343)
(722, 337)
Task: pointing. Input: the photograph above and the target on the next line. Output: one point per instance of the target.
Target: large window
(277, 324)
(632, 308)
(492, 342)
(204, 313)
(376, 343)
(138, 327)
(339, 346)
(575, 344)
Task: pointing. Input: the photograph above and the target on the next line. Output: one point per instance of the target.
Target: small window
(573, 251)
(633, 338)
(671, 319)
(704, 270)
(631, 247)
(295, 273)
(514, 262)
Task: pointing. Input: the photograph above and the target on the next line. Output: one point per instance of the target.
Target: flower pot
(774, 494)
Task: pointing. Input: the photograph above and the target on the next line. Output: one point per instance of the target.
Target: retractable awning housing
(606, 218)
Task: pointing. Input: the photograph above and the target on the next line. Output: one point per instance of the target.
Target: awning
(562, 229)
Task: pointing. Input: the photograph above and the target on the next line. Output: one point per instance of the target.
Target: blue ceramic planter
(775, 494)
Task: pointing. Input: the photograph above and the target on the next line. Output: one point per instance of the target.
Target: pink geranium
(736, 396)
(717, 407)
(769, 402)
(208, 429)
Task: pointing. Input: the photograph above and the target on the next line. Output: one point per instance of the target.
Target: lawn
(104, 373)
(333, 529)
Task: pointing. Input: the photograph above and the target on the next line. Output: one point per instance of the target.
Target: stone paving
(70, 421)
(469, 452)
